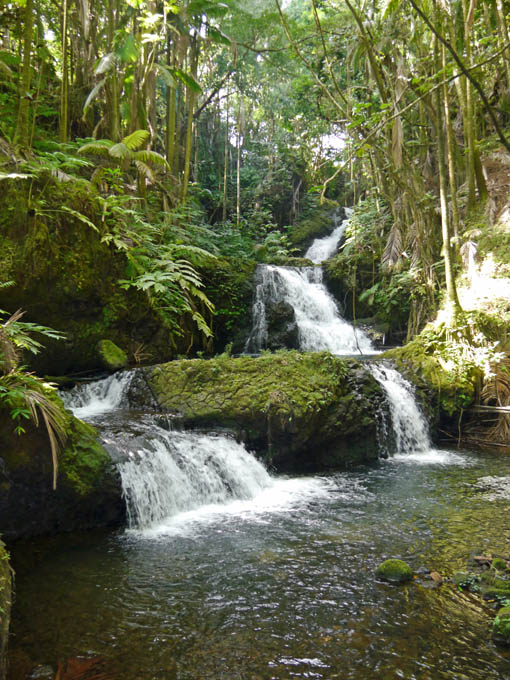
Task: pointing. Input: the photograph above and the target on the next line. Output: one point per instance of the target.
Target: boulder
(309, 411)
(88, 492)
(282, 329)
(394, 571)
(112, 357)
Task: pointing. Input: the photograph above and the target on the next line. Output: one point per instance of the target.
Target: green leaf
(93, 94)
(218, 36)
(80, 216)
(136, 139)
(187, 79)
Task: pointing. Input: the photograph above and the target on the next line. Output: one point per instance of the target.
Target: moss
(394, 571)
(113, 358)
(498, 564)
(320, 224)
(6, 591)
(282, 402)
(501, 627)
(83, 463)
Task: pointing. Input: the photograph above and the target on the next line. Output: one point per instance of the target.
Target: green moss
(394, 571)
(320, 224)
(285, 401)
(112, 357)
(6, 590)
(498, 564)
(501, 626)
(83, 462)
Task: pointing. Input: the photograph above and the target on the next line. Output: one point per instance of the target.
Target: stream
(229, 571)
(281, 585)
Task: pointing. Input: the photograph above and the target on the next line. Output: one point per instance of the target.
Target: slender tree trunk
(225, 158)
(238, 177)
(171, 106)
(21, 135)
(189, 122)
(64, 90)
(451, 290)
(450, 141)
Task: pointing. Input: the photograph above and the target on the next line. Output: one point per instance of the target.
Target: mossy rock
(113, 358)
(6, 592)
(501, 627)
(88, 492)
(394, 571)
(309, 411)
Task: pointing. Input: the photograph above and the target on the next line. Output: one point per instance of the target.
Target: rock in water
(394, 571)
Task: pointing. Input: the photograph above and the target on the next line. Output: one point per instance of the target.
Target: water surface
(279, 586)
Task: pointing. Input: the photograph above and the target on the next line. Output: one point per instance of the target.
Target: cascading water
(92, 399)
(324, 248)
(164, 472)
(319, 324)
(174, 472)
(408, 424)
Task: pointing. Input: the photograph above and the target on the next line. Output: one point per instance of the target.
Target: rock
(394, 571)
(501, 627)
(436, 576)
(42, 673)
(282, 329)
(112, 357)
(310, 411)
(463, 579)
(6, 588)
(88, 492)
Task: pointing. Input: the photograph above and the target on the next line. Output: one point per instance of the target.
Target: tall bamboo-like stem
(112, 90)
(450, 145)
(64, 90)
(21, 135)
(238, 174)
(225, 156)
(451, 290)
(190, 93)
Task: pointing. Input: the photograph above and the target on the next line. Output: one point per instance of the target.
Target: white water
(176, 472)
(408, 424)
(173, 480)
(324, 248)
(320, 326)
(92, 399)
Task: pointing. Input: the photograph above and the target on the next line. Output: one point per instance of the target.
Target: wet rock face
(88, 490)
(282, 329)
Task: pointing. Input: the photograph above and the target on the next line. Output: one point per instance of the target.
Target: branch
(465, 71)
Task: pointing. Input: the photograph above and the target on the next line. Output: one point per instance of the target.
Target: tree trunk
(21, 135)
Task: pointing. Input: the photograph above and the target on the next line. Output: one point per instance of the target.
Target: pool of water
(281, 586)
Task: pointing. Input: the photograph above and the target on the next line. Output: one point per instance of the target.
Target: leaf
(80, 216)
(151, 157)
(119, 150)
(390, 7)
(128, 51)
(100, 147)
(136, 139)
(93, 94)
(218, 36)
(187, 79)
(105, 64)
(166, 74)
(393, 249)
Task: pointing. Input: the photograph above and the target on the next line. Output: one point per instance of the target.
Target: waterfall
(300, 294)
(174, 472)
(100, 396)
(408, 425)
(319, 324)
(324, 248)
(164, 472)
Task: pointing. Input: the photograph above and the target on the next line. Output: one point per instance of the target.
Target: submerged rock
(302, 411)
(394, 571)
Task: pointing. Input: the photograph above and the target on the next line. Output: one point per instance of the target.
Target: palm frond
(135, 140)
(100, 147)
(393, 249)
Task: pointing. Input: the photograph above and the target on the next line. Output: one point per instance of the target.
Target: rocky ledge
(298, 411)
